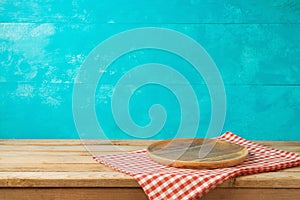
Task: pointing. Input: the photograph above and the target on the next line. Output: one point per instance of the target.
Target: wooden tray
(184, 153)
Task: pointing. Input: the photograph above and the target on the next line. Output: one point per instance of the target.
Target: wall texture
(256, 46)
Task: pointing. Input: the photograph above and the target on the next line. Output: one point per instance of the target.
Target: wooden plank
(250, 194)
(46, 159)
(71, 167)
(72, 193)
(48, 153)
(75, 145)
(137, 193)
(128, 142)
(112, 178)
(157, 12)
(54, 167)
(26, 158)
(66, 148)
(78, 142)
(269, 180)
(65, 167)
(52, 154)
(52, 157)
(278, 143)
(293, 169)
(66, 179)
(94, 149)
(91, 151)
(73, 179)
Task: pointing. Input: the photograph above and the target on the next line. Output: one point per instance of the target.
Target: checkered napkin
(162, 182)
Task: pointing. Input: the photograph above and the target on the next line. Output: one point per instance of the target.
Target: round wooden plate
(184, 153)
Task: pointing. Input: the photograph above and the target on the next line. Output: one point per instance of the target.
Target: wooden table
(63, 169)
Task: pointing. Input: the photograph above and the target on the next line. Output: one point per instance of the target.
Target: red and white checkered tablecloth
(163, 182)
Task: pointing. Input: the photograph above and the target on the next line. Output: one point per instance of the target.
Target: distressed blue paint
(255, 45)
(151, 11)
(245, 54)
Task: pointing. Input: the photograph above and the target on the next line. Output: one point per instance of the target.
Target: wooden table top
(66, 163)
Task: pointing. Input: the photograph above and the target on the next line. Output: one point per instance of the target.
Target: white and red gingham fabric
(163, 182)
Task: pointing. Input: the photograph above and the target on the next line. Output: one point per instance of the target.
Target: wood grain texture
(250, 194)
(184, 153)
(137, 193)
(72, 193)
(38, 173)
(39, 166)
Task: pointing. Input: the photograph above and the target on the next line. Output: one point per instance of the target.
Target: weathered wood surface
(138, 194)
(254, 44)
(49, 169)
(39, 62)
(184, 153)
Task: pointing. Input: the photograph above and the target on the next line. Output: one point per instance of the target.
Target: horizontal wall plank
(73, 142)
(244, 53)
(45, 58)
(155, 11)
(254, 112)
(258, 113)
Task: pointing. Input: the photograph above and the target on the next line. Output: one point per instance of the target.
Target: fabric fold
(162, 182)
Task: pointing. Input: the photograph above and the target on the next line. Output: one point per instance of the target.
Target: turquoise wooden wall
(255, 44)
